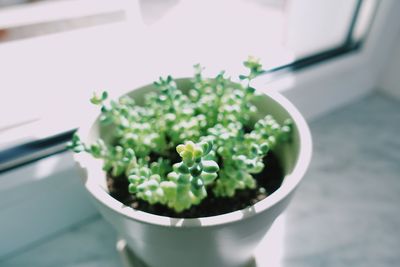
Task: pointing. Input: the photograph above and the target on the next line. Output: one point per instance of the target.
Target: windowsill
(51, 11)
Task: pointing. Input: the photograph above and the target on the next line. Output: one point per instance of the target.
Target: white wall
(307, 27)
(389, 81)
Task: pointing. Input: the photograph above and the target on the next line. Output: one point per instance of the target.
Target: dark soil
(268, 181)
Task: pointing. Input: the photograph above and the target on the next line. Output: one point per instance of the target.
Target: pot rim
(92, 171)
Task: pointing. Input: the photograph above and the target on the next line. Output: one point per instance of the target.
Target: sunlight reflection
(46, 168)
(270, 252)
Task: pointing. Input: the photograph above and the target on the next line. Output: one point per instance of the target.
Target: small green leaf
(132, 189)
(197, 183)
(75, 138)
(182, 168)
(250, 90)
(210, 166)
(198, 152)
(264, 148)
(208, 177)
(195, 171)
(96, 100)
(104, 95)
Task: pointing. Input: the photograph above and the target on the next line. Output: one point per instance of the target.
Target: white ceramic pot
(226, 240)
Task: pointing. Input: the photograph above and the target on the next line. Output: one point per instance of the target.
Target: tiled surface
(346, 212)
(90, 244)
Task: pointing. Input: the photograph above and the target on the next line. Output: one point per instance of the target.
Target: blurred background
(338, 61)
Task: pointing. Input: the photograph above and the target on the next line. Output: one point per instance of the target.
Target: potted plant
(194, 171)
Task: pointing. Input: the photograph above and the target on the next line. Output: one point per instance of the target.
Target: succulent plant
(210, 126)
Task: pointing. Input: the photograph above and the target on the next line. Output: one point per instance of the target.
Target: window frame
(300, 81)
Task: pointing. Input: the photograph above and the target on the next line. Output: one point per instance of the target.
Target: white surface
(46, 11)
(364, 21)
(390, 79)
(40, 199)
(305, 23)
(270, 251)
(60, 71)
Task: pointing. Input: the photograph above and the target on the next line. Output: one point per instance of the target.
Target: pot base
(268, 253)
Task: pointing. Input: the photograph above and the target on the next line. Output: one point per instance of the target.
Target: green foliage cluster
(210, 126)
